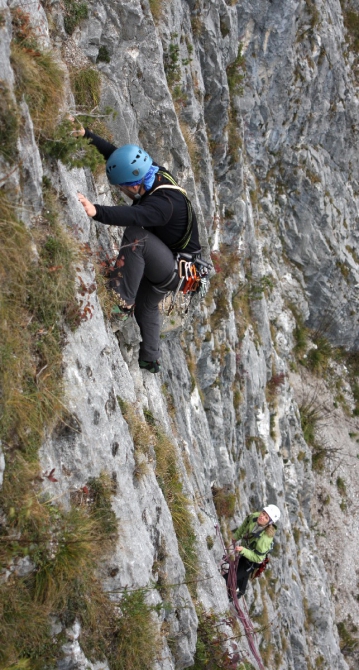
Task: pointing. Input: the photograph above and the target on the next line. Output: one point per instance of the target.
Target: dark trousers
(244, 571)
(144, 261)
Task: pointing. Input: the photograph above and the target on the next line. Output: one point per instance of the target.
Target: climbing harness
(193, 274)
(193, 279)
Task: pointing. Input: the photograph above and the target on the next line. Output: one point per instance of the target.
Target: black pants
(244, 571)
(144, 261)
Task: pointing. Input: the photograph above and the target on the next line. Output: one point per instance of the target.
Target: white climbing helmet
(273, 512)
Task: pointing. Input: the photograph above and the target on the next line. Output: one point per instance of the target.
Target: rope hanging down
(242, 616)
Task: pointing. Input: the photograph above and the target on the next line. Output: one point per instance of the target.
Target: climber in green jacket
(256, 534)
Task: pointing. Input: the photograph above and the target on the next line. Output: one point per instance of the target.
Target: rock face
(253, 107)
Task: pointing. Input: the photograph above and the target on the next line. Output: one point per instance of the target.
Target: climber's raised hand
(89, 208)
(79, 130)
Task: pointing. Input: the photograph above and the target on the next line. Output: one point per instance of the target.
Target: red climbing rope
(243, 617)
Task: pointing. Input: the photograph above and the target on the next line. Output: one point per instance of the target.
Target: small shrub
(64, 548)
(349, 643)
(172, 63)
(75, 12)
(103, 55)
(258, 441)
(236, 73)
(212, 652)
(272, 430)
(210, 542)
(72, 151)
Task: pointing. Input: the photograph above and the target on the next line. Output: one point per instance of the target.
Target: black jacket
(164, 213)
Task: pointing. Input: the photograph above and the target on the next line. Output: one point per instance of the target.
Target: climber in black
(257, 533)
(159, 224)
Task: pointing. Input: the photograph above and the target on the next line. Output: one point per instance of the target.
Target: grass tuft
(37, 299)
(168, 477)
(146, 435)
(9, 124)
(224, 502)
(156, 9)
(86, 85)
(40, 80)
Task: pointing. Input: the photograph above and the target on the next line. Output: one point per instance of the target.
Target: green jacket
(255, 547)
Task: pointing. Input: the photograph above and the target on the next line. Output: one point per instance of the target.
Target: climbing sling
(260, 568)
(182, 243)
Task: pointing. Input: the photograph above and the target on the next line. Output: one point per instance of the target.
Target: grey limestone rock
(285, 204)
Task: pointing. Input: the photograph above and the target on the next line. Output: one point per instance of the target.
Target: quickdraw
(193, 273)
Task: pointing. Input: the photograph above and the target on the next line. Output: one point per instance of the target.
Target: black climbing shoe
(151, 366)
(122, 313)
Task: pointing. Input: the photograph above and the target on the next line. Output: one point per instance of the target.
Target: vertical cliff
(110, 536)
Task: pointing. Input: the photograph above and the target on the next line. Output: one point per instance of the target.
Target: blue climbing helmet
(128, 165)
